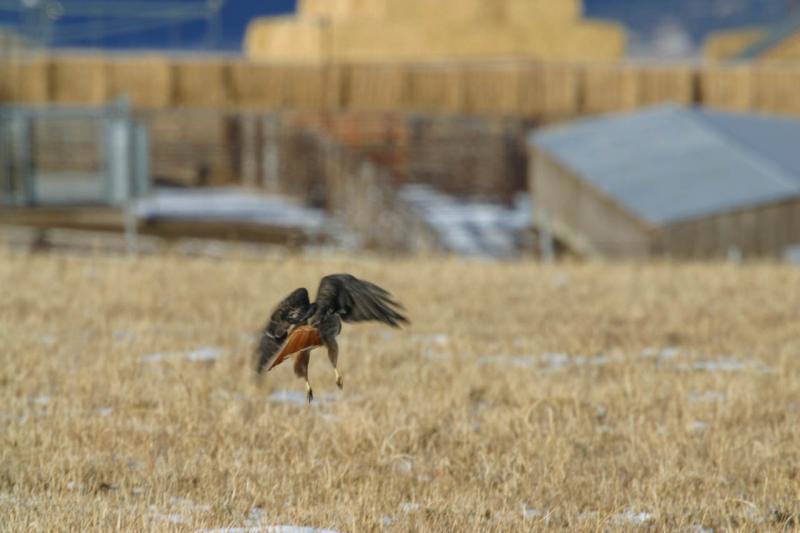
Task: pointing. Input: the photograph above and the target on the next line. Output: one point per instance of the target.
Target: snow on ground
(529, 513)
(548, 361)
(267, 529)
(671, 358)
(471, 227)
(229, 204)
(297, 397)
(465, 227)
(697, 427)
(706, 397)
(201, 354)
(632, 518)
(729, 364)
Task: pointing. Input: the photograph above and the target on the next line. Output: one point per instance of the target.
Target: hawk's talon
(339, 382)
(310, 396)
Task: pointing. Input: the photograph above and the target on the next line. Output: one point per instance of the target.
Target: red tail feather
(302, 338)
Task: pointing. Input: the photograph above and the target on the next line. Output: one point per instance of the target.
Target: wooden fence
(534, 90)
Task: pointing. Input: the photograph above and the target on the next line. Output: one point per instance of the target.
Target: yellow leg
(301, 370)
(309, 392)
(333, 356)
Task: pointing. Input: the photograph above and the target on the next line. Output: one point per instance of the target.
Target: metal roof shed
(670, 180)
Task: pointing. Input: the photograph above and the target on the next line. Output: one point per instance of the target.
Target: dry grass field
(523, 397)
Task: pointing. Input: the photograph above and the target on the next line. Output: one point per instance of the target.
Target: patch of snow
(697, 426)
(71, 485)
(296, 397)
(231, 205)
(41, 400)
(730, 364)
(409, 507)
(529, 513)
(47, 340)
(471, 227)
(387, 521)
(154, 357)
(699, 528)
(548, 361)
(104, 411)
(554, 360)
(670, 352)
(721, 365)
(268, 529)
(404, 466)
(205, 353)
(706, 397)
(198, 355)
(255, 517)
(440, 339)
(633, 518)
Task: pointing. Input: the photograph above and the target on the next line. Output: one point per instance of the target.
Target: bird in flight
(297, 326)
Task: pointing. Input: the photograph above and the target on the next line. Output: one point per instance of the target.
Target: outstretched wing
(292, 311)
(356, 300)
(301, 338)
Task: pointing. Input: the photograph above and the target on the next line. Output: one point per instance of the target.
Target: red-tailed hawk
(297, 326)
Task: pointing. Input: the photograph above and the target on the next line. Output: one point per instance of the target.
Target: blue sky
(642, 17)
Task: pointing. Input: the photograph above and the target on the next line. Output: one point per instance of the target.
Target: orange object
(301, 338)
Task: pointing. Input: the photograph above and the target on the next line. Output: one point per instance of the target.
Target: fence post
(6, 183)
(22, 158)
(546, 246)
(269, 152)
(141, 159)
(119, 153)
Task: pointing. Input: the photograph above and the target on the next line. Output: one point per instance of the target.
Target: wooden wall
(535, 90)
(581, 217)
(764, 231)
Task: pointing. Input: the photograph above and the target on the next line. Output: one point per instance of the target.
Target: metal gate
(62, 156)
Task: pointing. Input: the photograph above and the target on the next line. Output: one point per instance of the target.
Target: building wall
(758, 232)
(591, 224)
(580, 216)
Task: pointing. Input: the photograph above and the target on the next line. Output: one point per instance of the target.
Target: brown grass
(444, 426)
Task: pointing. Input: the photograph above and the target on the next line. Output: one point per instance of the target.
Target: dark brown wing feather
(291, 312)
(301, 338)
(356, 300)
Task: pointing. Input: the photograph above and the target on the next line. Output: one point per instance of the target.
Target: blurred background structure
(403, 126)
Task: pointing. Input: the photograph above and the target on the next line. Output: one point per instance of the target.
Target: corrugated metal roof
(671, 163)
(775, 36)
